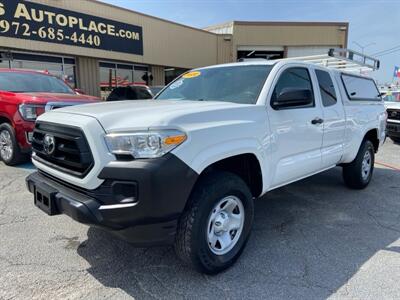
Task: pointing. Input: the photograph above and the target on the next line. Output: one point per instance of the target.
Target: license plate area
(44, 198)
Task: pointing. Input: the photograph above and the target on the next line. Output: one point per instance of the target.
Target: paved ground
(312, 240)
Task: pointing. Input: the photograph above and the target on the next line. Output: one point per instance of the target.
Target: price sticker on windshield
(191, 74)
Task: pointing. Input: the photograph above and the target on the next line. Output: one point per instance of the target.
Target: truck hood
(392, 105)
(54, 97)
(128, 115)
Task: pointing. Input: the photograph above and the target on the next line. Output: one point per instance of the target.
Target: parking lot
(311, 240)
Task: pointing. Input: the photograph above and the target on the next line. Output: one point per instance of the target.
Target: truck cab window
(293, 79)
(326, 87)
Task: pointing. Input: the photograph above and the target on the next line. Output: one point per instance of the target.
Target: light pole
(363, 46)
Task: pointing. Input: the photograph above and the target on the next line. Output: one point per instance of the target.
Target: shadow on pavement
(26, 166)
(308, 240)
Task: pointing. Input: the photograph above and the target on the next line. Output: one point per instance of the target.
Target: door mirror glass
(293, 97)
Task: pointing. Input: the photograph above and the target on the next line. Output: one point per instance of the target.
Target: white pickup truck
(185, 168)
(392, 103)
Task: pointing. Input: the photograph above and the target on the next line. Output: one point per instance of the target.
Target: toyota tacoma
(184, 169)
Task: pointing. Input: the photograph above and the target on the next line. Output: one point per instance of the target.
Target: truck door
(296, 127)
(334, 119)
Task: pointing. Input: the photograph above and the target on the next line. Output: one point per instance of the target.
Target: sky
(373, 23)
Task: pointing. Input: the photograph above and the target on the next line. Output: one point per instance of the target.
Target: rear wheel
(358, 173)
(214, 228)
(10, 152)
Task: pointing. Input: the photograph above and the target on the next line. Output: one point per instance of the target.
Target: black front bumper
(393, 129)
(140, 201)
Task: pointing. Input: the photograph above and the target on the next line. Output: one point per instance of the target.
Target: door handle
(317, 121)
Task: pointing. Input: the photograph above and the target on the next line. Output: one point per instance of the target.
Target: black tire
(16, 157)
(395, 139)
(353, 172)
(191, 241)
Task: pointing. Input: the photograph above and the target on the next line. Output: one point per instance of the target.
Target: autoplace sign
(33, 21)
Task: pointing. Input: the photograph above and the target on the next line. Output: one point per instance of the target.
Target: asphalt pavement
(314, 239)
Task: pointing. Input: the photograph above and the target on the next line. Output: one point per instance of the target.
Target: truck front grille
(61, 147)
(393, 114)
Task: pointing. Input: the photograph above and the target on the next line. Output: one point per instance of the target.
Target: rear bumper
(138, 201)
(393, 129)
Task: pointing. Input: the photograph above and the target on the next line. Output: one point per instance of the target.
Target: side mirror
(293, 97)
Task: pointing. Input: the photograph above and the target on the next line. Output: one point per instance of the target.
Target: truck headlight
(144, 144)
(29, 112)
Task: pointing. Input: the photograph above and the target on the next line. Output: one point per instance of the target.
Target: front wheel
(10, 152)
(358, 173)
(215, 226)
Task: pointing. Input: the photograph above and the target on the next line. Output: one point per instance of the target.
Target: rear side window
(326, 87)
(360, 88)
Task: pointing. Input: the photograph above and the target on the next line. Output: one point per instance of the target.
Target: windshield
(32, 82)
(392, 97)
(238, 84)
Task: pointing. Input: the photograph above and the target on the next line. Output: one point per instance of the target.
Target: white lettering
(22, 12)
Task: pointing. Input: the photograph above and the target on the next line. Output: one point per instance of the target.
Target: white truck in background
(392, 103)
(185, 168)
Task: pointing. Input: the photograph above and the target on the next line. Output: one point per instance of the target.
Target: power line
(383, 51)
(390, 52)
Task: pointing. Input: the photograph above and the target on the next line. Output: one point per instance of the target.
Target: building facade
(96, 46)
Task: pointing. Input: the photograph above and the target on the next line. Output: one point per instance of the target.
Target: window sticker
(192, 74)
(176, 84)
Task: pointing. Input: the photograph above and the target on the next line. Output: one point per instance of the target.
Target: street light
(363, 47)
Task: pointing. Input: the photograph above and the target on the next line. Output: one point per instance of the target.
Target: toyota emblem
(49, 144)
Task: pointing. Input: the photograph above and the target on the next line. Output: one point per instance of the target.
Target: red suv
(24, 95)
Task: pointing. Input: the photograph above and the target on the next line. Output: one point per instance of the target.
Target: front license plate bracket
(44, 198)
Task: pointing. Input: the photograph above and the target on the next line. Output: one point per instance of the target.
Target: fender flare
(218, 152)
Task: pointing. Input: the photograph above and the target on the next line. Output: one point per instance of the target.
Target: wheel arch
(5, 119)
(358, 139)
(245, 165)
(372, 136)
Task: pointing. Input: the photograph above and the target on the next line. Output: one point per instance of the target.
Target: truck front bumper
(393, 129)
(139, 201)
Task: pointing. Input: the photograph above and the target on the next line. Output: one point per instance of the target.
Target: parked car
(24, 95)
(131, 92)
(392, 103)
(156, 89)
(184, 169)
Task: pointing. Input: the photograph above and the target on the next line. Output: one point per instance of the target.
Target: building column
(88, 75)
(158, 75)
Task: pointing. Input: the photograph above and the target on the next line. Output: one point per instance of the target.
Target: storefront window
(69, 75)
(172, 73)
(4, 64)
(141, 75)
(63, 68)
(114, 75)
(124, 75)
(107, 79)
(54, 69)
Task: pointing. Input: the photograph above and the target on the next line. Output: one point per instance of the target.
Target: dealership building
(96, 46)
